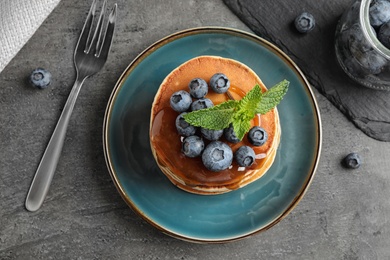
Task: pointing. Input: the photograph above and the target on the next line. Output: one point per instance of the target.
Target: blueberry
(354, 67)
(180, 101)
(245, 156)
(230, 135)
(356, 41)
(40, 78)
(201, 104)
(257, 136)
(379, 12)
(217, 156)
(198, 88)
(370, 61)
(352, 161)
(210, 134)
(384, 34)
(304, 22)
(184, 128)
(192, 146)
(219, 83)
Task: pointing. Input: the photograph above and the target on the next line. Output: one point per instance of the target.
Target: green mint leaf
(239, 113)
(272, 97)
(241, 127)
(245, 111)
(249, 103)
(215, 118)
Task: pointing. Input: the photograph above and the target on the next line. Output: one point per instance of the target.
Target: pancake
(190, 174)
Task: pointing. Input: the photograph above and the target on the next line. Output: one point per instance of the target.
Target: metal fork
(89, 57)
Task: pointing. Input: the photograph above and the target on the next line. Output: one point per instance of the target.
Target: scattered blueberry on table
(40, 78)
(352, 161)
(304, 22)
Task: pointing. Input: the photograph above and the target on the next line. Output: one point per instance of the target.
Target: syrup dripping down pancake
(190, 174)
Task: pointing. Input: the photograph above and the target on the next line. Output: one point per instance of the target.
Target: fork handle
(44, 174)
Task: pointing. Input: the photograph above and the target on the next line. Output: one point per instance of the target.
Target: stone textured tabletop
(344, 214)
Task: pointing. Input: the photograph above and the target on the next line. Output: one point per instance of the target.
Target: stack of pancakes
(190, 174)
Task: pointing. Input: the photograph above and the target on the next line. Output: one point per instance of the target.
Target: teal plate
(217, 218)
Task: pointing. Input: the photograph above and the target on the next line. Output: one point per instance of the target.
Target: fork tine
(108, 36)
(85, 33)
(98, 31)
(102, 15)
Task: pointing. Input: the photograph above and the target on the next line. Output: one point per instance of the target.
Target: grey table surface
(344, 214)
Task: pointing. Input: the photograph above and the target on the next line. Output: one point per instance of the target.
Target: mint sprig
(216, 117)
(239, 113)
(272, 97)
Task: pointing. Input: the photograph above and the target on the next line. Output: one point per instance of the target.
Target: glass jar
(361, 55)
